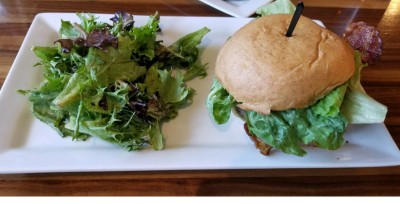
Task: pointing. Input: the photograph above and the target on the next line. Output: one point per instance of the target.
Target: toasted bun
(265, 70)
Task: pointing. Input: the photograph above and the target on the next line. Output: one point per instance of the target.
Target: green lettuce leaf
(321, 125)
(358, 107)
(289, 130)
(219, 103)
(105, 67)
(172, 89)
(45, 53)
(330, 104)
(196, 70)
(67, 30)
(53, 117)
(106, 101)
(123, 128)
(185, 49)
(89, 22)
(144, 38)
(152, 80)
(71, 93)
(355, 80)
(276, 7)
(184, 54)
(166, 93)
(156, 137)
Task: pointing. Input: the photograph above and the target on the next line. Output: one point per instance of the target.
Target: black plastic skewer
(295, 18)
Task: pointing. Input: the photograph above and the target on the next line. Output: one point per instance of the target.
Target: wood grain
(381, 81)
(377, 4)
(238, 183)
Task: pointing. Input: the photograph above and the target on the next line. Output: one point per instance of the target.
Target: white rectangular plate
(193, 141)
(237, 8)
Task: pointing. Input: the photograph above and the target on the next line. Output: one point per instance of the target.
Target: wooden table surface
(381, 81)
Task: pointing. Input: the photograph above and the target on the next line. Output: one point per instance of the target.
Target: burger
(290, 91)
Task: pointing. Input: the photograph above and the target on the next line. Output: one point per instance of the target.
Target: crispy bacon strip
(263, 147)
(366, 39)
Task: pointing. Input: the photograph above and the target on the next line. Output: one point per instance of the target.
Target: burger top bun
(264, 70)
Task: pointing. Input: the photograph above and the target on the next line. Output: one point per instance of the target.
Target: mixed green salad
(117, 82)
(322, 124)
